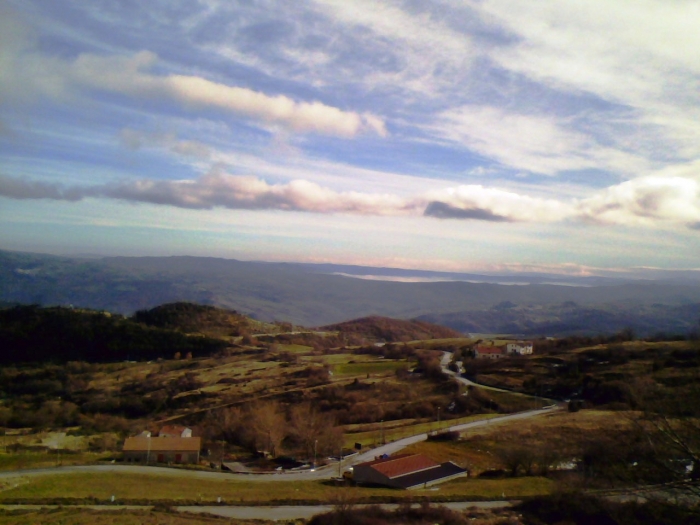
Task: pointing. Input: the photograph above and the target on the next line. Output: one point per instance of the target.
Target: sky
(474, 135)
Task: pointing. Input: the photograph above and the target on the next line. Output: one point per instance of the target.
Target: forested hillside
(196, 318)
(34, 334)
(393, 330)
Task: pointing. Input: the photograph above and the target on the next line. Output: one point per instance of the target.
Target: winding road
(327, 472)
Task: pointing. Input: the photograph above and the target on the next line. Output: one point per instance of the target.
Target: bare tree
(517, 458)
(268, 426)
(314, 431)
(667, 432)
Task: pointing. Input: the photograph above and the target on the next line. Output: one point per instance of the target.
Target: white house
(519, 347)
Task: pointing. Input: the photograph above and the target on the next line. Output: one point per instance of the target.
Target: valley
(259, 394)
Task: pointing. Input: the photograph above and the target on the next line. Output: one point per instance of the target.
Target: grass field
(295, 348)
(393, 433)
(62, 516)
(430, 343)
(373, 367)
(43, 459)
(153, 488)
(563, 431)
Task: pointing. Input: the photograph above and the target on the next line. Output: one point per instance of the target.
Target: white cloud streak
(637, 53)
(135, 140)
(220, 190)
(493, 204)
(646, 201)
(130, 76)
(127, 75)
(428, 54)
(536, 143)
(667, 198)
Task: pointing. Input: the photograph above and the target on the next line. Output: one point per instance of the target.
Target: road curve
(327, 472)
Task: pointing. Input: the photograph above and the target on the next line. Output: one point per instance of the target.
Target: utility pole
(315, 443)
(340, 460)
(381, 432)
(438, 418)
(148, 454)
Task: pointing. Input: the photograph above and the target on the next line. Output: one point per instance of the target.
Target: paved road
(284, 512)
(392, 448)
(447, 357)
(307, 511)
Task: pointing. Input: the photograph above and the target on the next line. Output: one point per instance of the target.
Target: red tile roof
(162, 444)
(401, 465)
(490, 350)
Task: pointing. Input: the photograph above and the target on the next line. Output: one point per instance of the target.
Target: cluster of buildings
(510, 349)
(173, 444)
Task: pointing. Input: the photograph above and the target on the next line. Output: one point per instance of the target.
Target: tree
(268, 426)
(227, 425)
(660, 444)
(667, 424)
(314, 431)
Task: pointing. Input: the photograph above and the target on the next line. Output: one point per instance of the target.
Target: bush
(450, 435)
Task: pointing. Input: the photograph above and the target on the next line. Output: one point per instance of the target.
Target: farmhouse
(147, 449)
(519, 347)
(509, 349)
(406, 471)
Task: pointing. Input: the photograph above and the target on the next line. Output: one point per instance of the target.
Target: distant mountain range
(315, 295)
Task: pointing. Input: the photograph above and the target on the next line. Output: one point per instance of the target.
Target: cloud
(130, 75)
(645, 201)
(135, 140)
(493, 204)
(441, 210)
(419, 49)
(637, 54)
(22, 189)
(539, 144)
(244, 192)
(217, 189)
(671, 197)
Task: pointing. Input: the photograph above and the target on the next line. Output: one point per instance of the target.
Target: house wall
(440, 480)
(519, 348)
(480, 355)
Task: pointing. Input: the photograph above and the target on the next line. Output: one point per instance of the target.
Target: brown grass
(561, 431)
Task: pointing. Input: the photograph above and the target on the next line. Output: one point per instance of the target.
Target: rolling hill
(293, 293)
(392, 330)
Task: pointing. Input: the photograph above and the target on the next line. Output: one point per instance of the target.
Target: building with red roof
(406, 471)
(490, 352)
(147, 449)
